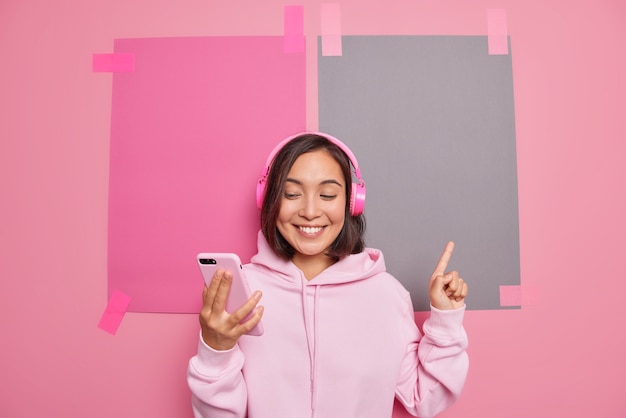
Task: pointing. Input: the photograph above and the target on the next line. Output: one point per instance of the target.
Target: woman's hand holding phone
(221, 330)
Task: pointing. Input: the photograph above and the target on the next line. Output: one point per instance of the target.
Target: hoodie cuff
(446, 325)
(213, 363)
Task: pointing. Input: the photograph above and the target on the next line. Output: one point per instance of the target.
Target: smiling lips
(311, 230)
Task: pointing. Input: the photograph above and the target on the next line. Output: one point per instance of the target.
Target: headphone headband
(341, 145)
(357, 198)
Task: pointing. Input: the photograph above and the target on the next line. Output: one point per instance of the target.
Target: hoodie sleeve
(435, 365)
(216, 382)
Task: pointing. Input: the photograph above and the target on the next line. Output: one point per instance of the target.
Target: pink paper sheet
(190, 131)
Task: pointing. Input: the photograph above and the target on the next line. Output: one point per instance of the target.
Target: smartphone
(239, 289)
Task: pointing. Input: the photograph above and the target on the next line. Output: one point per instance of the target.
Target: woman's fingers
(214, 295)
(221, 329)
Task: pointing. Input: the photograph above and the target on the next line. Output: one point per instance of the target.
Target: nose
(310, 207)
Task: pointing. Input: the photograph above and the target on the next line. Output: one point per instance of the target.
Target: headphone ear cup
(260, 192)
(357, 199)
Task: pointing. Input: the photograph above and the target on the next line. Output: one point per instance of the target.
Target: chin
(312, 251)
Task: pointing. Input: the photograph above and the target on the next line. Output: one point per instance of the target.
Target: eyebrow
(298, 182)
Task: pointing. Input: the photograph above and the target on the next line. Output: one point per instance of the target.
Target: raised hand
(447, 290)
(221, 330)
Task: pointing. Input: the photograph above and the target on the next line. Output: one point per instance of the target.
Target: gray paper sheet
(432, 123)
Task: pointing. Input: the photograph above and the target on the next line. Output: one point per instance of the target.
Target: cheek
(285, 209)
(338, 213)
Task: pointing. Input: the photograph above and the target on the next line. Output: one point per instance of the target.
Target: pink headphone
(357, 197)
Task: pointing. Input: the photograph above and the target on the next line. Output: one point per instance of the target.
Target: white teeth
(310, 230)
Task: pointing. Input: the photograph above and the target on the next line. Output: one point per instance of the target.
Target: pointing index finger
(442, 264)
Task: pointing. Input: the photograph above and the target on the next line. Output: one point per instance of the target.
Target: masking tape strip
(497, 36)
(114, 312)
(294, 29)
(331, 29)
(113, 63)
(519, 295)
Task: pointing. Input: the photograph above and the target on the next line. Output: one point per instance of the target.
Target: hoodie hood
(351, 268)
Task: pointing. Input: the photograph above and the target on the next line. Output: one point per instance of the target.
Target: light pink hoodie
(341, 345)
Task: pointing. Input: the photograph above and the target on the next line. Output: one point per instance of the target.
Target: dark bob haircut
(351, 238)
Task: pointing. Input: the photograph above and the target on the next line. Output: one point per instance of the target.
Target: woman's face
(313, 204)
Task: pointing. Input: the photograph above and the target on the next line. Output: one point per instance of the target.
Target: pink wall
(563, 356)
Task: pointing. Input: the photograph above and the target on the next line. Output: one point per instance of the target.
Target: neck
(312, 266)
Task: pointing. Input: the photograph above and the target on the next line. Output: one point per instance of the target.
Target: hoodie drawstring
(315, 334)
(311, 338)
